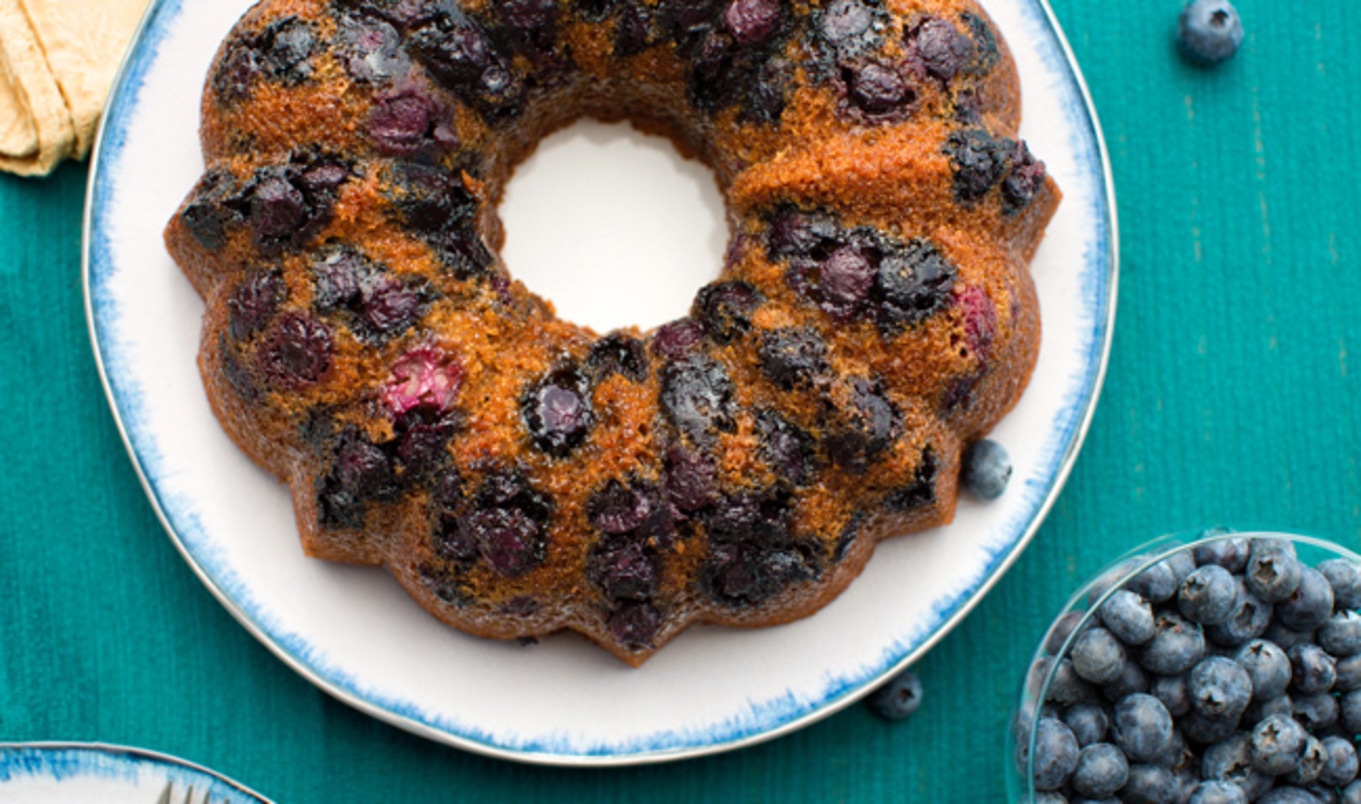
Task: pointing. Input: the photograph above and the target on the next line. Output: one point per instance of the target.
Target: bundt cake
(519, 474)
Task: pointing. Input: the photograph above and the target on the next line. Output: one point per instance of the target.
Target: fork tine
(189, 795)
(165, 794)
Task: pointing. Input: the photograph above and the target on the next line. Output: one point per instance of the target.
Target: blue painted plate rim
(1102, 263)
(60, 760)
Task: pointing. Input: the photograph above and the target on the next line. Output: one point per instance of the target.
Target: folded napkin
(57, 61)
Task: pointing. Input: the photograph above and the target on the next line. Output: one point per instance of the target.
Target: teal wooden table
(1233, 395)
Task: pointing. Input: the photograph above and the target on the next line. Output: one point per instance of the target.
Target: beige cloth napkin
(57, 61)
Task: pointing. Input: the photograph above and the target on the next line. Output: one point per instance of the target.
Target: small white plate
(80, 773)
(354, 633)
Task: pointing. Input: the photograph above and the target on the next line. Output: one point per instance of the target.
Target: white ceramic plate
(80, 773)
(354, 633)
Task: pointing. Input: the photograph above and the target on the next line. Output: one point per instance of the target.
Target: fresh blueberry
(1219, 688)
(1349, 712)
(1288, 795)
(1088, 721)
(1277, 745)
(848, 25)
(898, 698)
(1258, 710)
(1101, 770)
(1157, 582)
(1267, 667)
(1216, 792)
(1097, 656)
(1345, 577)
(1128, 616)
(1230, 553)
(1310, 605)
(1341, 635)
(1173, 692)
(1348, 674)
(1209, 31)
(1141, 726)
(1230, 761)
(1049, 797)
(557, 412)
(1149, 784)
(1311, 668)
(1311, 763)
(1273, 571)
(986, 472)
(1206, 730)
(1056, 754)
(1249, 619)
(1061, 629)
(1286, 637)
(1207, 595)
(1316, 711)
(1132, 678)
(1341, 767)
(1176, 647)
(1067, 688)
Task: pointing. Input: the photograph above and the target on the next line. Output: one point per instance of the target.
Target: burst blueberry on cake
(520, 474)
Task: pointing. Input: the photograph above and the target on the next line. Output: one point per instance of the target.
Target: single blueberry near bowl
(987, 469)
(1210, 31)
(899, 697)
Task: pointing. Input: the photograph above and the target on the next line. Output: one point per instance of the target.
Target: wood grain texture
(1234, 395)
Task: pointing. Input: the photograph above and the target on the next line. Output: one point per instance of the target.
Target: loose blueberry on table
(1228, 673)
(1209, 31)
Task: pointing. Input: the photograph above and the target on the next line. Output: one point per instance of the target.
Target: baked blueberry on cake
(519, 474)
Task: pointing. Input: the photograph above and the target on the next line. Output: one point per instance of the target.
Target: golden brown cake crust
(519, 474)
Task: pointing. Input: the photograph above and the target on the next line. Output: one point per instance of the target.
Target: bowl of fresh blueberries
(1217, 667)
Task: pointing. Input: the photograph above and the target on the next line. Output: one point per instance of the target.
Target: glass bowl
(1051, 685)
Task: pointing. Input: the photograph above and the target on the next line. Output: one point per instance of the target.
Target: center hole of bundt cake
(614, 226)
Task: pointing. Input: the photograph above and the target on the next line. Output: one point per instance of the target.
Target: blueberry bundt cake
(520, 474)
